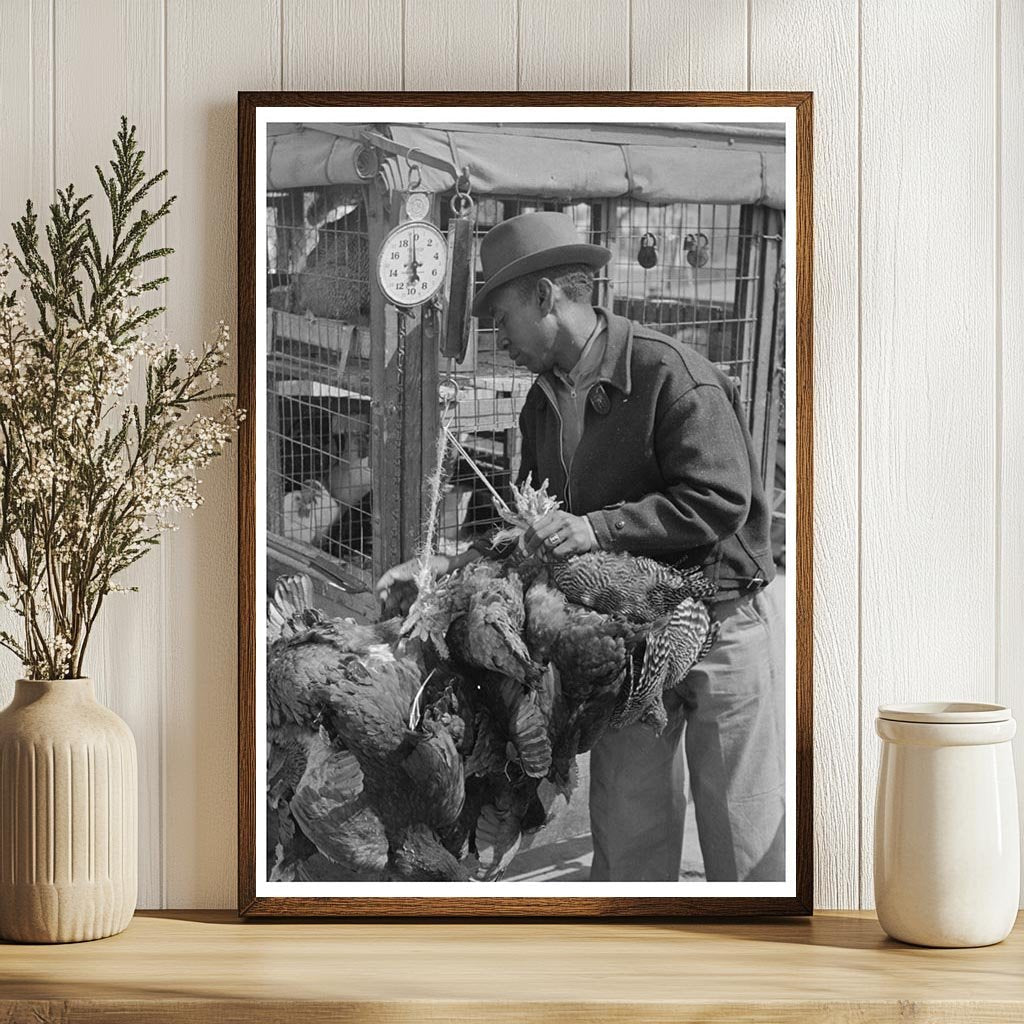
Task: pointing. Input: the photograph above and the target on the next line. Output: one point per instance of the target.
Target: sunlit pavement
(562, 852)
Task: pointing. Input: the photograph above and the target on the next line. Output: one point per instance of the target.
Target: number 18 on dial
(412, 263)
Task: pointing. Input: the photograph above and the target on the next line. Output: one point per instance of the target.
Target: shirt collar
(588, 366)
(618, 349)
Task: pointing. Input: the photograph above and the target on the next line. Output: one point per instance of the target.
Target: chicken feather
(343, 692)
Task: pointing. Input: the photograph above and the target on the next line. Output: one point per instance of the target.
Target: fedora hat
(529, 242)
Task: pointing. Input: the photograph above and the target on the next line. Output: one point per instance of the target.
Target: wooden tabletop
(208, 966)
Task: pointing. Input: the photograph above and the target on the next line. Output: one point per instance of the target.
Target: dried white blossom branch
(89, 478)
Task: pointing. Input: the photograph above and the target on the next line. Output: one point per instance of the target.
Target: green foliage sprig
(89, 478)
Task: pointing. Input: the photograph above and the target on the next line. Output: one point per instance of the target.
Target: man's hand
(396, 589)
(559, 534)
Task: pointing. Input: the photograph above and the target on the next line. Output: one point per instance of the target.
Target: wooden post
(747, 262)
(411, 455)
(773, 425)
(429, 404)
(275, 489)
(601, 231)
(763, 375)
(421, 416)
(385, 398)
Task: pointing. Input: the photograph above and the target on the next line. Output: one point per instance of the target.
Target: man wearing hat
(645, 444)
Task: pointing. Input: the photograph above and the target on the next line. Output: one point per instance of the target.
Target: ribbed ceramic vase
(68, 815)
(947, 846)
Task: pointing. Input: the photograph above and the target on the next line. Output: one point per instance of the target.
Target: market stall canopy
(656, 164)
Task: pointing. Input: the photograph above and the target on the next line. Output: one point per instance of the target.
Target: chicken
(673, 647)
(509, 756)
(634, 599)
(614, 632)
(350, 482)
(307, 513)
(425, 749)
(433, 763)
(635, 588)
(330, 806)
(594, 655)
(486, 632)
(292, 724)
(381, 772)
(291, 610)
(419, 856)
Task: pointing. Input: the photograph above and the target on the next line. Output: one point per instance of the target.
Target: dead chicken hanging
(619, 629)
(364, 761)
(425, 749)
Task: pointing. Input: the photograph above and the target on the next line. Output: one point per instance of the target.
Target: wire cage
(714, 285)
(709, 289)
(319, 473)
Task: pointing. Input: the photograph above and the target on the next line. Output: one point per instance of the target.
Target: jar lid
(944, 713)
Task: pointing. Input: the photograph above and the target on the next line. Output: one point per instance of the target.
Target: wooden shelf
(208, 966)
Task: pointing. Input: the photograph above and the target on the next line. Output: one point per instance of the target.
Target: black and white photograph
(524, 469)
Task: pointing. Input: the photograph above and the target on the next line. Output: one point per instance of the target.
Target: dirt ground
(562, 852)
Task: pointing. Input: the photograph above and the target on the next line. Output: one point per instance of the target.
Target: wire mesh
(318, 377)
(698, 291)
(702, 290)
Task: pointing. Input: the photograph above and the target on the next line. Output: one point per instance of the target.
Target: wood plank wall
(919, 299)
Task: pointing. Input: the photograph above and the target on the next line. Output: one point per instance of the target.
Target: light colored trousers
(727, 707)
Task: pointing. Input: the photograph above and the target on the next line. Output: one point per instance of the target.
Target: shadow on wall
(200, 750)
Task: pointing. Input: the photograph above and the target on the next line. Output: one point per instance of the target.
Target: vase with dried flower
(96, 457)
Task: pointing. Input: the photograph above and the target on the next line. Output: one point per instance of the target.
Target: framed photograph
(525, 504)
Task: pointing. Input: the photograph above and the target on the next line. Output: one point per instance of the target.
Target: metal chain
(462, 202)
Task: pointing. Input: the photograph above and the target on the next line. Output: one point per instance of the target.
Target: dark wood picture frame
(798, 391)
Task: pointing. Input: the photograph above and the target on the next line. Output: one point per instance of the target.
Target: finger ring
(553, 540)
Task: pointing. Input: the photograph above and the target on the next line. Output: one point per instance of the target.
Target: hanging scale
(413, 260)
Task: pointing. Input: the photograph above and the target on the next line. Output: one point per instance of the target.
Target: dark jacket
(665, 467)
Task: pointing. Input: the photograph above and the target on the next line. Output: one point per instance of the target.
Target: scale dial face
(411, 264)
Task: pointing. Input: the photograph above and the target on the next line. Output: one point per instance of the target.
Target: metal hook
(450, 380)
(461, 204)
(414, 169)
(449, 401)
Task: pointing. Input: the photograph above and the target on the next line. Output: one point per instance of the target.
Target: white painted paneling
(26, 109)
(574, 44)
(26, 122)
(342, 44)
(829, 69)
(125, 654)
(465, 45)
(206, 67)
(928, 347)
(1009, 216)
(940, 285)
(699, 44)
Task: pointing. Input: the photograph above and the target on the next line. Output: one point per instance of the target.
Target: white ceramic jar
(947, 846)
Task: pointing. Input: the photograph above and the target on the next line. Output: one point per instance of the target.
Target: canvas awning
(653, 164)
